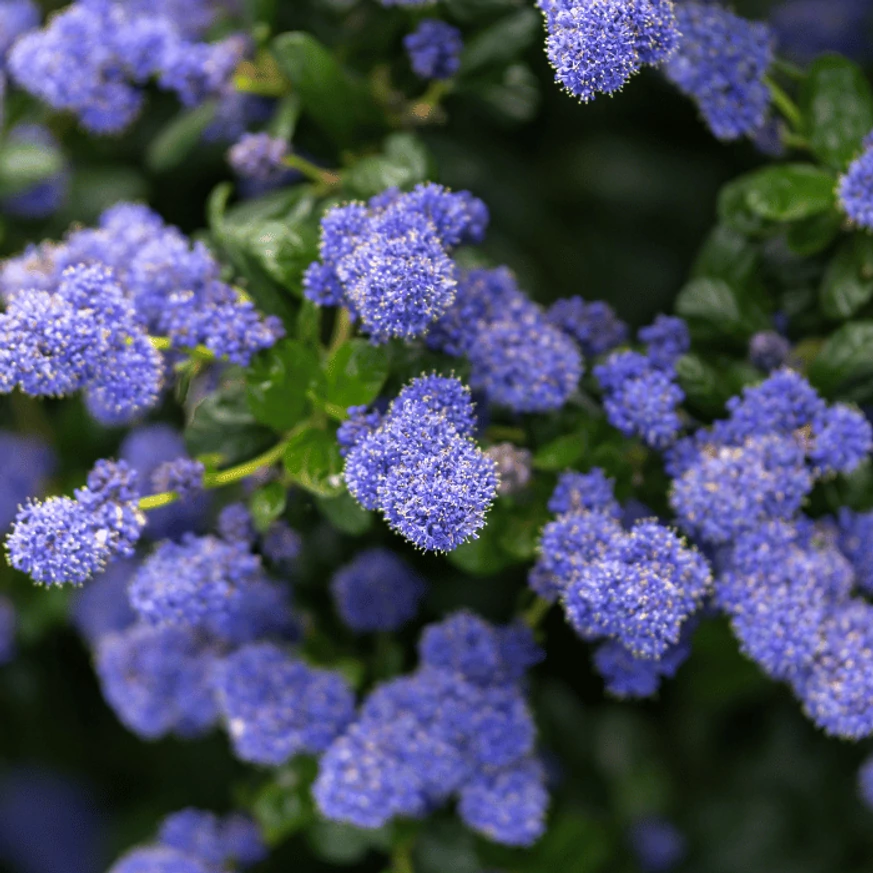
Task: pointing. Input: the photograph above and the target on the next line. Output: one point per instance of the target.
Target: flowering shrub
(423, 469)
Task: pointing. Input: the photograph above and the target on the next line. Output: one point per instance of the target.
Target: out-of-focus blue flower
(855, 190)
(434, 49)
(25, 464)
(805, 29)
(594, 325)
(666, 339)
(102, 606)
(658, 844)
(768, 350)
(46, 197)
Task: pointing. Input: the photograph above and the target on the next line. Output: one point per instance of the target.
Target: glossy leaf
(267, 504)
(279, 382)
(312, 461)
(847, 285)
(788, 192)
(355, 374)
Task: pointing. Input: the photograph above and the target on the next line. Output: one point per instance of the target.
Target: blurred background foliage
(611, 201)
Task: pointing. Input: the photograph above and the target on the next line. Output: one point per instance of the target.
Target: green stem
(342, 330)
(199, 353)
(789, 69)
(261, 87)
(220, 478)
(401, 859)
(785, 104)
(536, 612)
(325, 178)
(426, 106)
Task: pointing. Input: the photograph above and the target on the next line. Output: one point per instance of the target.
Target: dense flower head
(235, 524)
(666, 339)
(639, 591)
(640, 399)
(731, 489)
(421, 469)
(378, 590)
(841, 438)
(457, 725)
(513, 467)
(388, 261)
(70, 540)
(16, 17)
(594, 326)
(26, 462)
(659, 846)
(362, 421)
(212, 586)
(518, 358)
(259, 156)
(46, 197)
(182, 475)
(156, 679)
(280, 543)
(434, 49)
(721, 62)
(768, 350)
(855, 538)
(82, 334)
(584, 492)
(780, 586)
(567, 545)
(93, 58)
(158, 859)
(275, 706)
(218, 841)
(595, 46)
(627, 676)
(837, 693)
(147, 449)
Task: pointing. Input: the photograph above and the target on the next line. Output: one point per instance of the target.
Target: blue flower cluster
(514, 470)
(518, 358)
(721, 62)
(659, 846)
(420, 466)
(762, 461)
(46, 197)
(84, 333)
(595, 46)
(377, 591)
(95, 58)
(196, 841)
(434, 49)
(459, 725)
(70, 540)
(259, 157)
(768, 350)
(865, 781)
(594, 325)
(636, 588)
(154, 280)
(389, 261)
(26, 462)
(17, 17)
(855, 188)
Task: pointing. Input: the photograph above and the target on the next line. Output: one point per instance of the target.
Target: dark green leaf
(837, 105)
(285, 249)
(345, 513)
(338, 103)
(223, 425)
(279, 381)
(714, 308)
(267, 504)
(735, 213)
(445, 845)
(404, 163)
(789, 192)
(355, 373)
(179, 138)
(848, 281)
(309, 323)
(560, 453)
(844, 364)
(23, 165)
(813, 235)
(483, 556)
(515, 97)
(313, 461)
(727, 254)
(501, 43)
(282, 808)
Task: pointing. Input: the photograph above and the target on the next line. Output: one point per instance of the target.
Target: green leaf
(339, 104)
(814, 234)
(345, 513)
(339, 843)
(837, 105)
(560, 453)
(735, 213)
(23, 165)
(284, 805)
(404, 163)
(179, 138)
(789, 192)
(715, 309)
(445, 845)
(279, 382)
(285, 249)
(844, 364)
(727, 254)
(223, 425)
(355, 373)
(501, 43)
(267, 504)
(312, 461)
(483, 556)
(847, 284)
